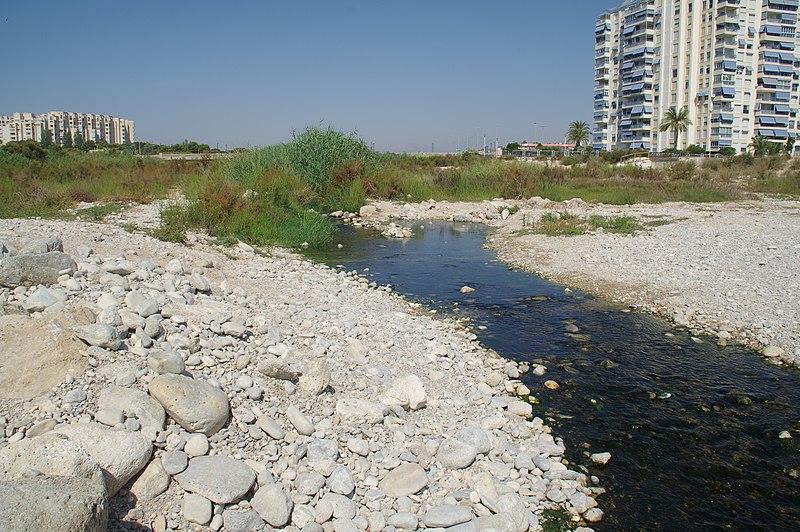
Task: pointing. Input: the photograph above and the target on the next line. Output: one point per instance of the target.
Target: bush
(682, 170)
(727, 151)
(694, 149)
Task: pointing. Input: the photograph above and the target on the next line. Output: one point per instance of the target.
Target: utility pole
(431, 147)
(484, 143)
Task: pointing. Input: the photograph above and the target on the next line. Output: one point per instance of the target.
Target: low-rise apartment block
(730, 63)
(29, 126)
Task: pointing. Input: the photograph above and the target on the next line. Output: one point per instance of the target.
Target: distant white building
(28, 126)
(731, 63)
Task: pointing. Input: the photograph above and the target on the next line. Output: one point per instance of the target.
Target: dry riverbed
(726, 269)
(154, 385)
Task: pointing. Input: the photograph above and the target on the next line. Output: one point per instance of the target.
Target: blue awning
(781, 121)
(648, 97)
(647, 109)
(769, 82)
(634, 87)
(772, 55)
(729, 66)
(727, 92)
(627, 64)
(637, 110)
(786, 45)
(766, 120)
(751, 30)
(780, 133)
(769, 29)
(629, 30)
(783, 109)
(722, 117)
(742, 42)
(724, 143)
(786, 56)
(703, 94)
(764, 132)
(625, 123)
(786, 69)
(782, 96)
(768, 68)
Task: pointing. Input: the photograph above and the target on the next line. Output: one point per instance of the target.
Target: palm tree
(578, 132)
(762, 147)
(676, 121)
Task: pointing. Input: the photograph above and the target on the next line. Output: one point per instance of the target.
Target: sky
(405, 76)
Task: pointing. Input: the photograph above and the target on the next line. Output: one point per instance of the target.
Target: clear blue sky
(403, 74)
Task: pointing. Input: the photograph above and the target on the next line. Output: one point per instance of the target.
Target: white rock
(196, 509)
(273, 505)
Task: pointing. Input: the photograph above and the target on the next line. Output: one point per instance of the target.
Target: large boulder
(53, 455)
(37, 268)
(53, 503)
(195, 405)
(121, 454)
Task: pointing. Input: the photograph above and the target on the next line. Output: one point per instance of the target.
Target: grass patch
(566, 224)
(96, 213)
(556, 521)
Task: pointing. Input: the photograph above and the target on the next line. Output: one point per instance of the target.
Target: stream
(692, 427)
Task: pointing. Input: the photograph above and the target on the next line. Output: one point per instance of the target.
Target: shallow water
(692, 428)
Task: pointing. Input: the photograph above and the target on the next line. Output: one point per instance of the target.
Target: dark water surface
(692, 428)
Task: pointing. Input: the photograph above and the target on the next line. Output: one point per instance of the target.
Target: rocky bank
(148, 385)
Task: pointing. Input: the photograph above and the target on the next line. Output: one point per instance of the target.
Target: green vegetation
(274, 195)
(676, 121)
(566, 224)
(556, 521)
(579, 133)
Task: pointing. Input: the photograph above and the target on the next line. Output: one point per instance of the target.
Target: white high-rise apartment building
(731, 63)
(28, 126)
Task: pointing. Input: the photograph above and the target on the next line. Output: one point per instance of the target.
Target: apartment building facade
(29, 126)
(731, 63)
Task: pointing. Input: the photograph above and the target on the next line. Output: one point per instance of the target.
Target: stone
(278, 369)
(241, 521)
(53, 503)
(152, 482)
(231, 328)
(271, 427)
(551, 385)
(165, 362)
(520, 408)
(342, 507)
(141, 304)
(358, 446)
(341, 481)
(773, 351)
(109, 416)
(196, 509)
(299, 420)
(404, 480)
(35, 269)
(501, 522)
(447, 515)
(477, 437)
(220, 479)
(195, 405)
(273, 505)
(456, 454)
(52, 455)
(407, 392)
(367, 210)
(99, 334)
(466, 289)
(174, 462)
(196, 445)
(600, 458)
(593, 515)
(40, 428)
(511, 504)
(41, 299)
(354, 410)
(309, 483)
(315, 378)
(136, 403)
(403, 521)
(75, 396)
(121, 454)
